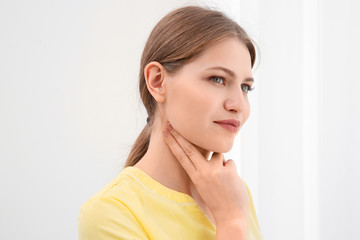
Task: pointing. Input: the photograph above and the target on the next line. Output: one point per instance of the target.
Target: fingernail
(165, 133)
(169, 127)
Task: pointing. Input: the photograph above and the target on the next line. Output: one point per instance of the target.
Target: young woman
(195, 75)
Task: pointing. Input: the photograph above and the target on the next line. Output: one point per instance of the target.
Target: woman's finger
(179, 153)
(217, 159)
(193, 154)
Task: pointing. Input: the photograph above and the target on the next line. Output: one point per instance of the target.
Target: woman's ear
(154, 74)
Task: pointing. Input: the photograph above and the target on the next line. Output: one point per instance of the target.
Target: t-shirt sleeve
(108, 218)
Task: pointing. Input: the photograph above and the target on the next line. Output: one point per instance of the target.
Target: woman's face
(209, 89)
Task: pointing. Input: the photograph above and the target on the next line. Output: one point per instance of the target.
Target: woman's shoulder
(255, 231)
(117, 188)
(108, 209)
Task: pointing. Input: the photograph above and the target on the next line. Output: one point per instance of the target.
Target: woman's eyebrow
(228, 71)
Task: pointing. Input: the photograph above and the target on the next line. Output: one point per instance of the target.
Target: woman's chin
(223, 150)
(226, 147)
(219, 148)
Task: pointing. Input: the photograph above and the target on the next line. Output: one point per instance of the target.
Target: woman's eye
(217, 79)
(246, 88)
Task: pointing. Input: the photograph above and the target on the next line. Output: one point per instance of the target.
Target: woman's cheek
(191, 112)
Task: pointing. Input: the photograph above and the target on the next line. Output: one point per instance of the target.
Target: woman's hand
(216, 180)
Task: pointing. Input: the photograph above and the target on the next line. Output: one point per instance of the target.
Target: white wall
(70, 111)
(69, 106)
(339, 163)
(307, 114)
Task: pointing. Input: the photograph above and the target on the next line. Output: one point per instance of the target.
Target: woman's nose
(235, 101)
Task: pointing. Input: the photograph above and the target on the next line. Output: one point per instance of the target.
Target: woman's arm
(218, 184)
(232, 230)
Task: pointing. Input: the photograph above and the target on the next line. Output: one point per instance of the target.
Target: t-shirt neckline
(158, 188)
(167, 193)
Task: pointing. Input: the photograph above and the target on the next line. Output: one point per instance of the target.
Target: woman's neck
(160, 164)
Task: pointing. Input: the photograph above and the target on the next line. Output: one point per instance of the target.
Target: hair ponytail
(179, 37)
(140, 146)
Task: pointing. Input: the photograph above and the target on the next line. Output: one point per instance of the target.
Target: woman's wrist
(243, 222)
(235, 217)
(232, 229)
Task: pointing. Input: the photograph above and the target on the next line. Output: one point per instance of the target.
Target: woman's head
(189, 48)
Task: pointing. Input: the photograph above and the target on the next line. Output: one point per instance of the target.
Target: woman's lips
(231, 125)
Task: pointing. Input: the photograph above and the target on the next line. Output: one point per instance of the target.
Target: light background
(69, 111)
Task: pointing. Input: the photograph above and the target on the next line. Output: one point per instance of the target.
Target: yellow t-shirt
(135, 206)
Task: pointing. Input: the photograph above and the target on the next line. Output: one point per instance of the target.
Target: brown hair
(179, 37)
